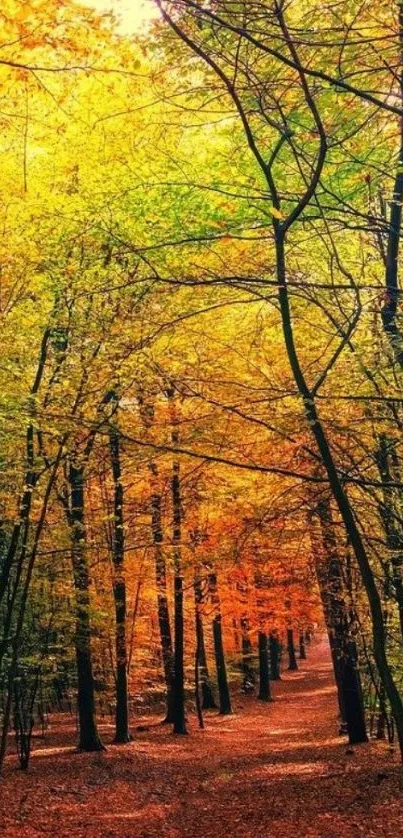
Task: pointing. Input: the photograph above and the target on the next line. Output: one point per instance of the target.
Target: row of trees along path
(277, 769)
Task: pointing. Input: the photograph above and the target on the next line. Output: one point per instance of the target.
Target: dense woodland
(201, 363)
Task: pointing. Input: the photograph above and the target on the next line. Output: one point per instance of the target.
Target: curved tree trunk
(341, 498)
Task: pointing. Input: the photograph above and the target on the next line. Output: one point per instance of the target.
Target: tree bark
(274, 655)
(247, 668)
(199, 708)
(21, 526)
(292, 658)
(122, 732)
(162, 597)
(222, 680)
(208, 701)
(353, 698)
(89, 739)
(384, 456)
(343, 650)
(340, 496)
(179, 670)
(264, 670)
(389, 311)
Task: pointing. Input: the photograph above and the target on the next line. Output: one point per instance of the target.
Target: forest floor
(276, 770)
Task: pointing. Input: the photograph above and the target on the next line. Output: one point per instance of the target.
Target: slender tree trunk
(302, 649)
(222, 680)
(16, 554)
(208, 702)
(21, 526)
(88, 733)
(199, 708)
(390, 517)
(122, 732)
(16, 640)
(264, 670)
(162, 597)
(382, 719)
(223, 688)
(390, 310)
(247, 668)
(292, 658)
(179, 669)
(146, 407)
(275, 652)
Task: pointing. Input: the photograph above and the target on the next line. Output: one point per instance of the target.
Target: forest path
(275, 769)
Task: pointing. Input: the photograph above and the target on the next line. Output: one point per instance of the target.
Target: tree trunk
(208, 702)
(122, 732)
(339, 494)
(21, 526)
(247, 668)
(385, 457)
(344, 656)
(274, 654)
(264, 670)
(223, 689)
(330, 605)
(381, 724)
(162, 598)
(292, 658)
(353, 698)
(179, 670)
(222, 680)
(88, 733)
(199, 708)
(302, 650)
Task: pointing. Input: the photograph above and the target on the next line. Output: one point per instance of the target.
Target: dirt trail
(270, 770)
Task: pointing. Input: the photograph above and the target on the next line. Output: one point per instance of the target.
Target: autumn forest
(201, 418)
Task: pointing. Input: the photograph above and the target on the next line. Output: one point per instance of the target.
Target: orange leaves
(44, 33)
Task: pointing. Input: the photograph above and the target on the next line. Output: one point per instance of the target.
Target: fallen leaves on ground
(275, 769)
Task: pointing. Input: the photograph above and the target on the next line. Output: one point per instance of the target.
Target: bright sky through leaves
(132, 14)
